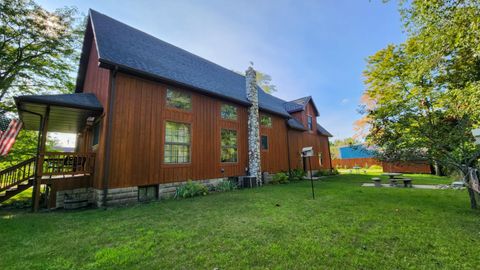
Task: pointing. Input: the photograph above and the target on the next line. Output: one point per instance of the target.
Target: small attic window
(310, 122)
(228, 112)
(266, 121)
(179, 100)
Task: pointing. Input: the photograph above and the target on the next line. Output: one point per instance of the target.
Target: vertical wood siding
(97, 81)
(298, 140)
(139, 130)
(275, 159)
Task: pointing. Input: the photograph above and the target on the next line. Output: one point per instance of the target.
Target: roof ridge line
(168, 43)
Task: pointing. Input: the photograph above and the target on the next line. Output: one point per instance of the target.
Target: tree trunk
(473, 201)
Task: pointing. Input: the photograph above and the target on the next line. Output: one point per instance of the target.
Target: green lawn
(345, 227)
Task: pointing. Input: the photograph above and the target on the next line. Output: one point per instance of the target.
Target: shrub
(376, 167)
(326, 172)
(280, 178)
(225, 185)
(191, 189)
(297, 174)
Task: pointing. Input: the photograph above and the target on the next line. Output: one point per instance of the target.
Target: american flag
(9, 135)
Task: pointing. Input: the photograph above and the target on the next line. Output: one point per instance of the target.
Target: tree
(38, 50)
(39, 54)
(265, 82)
(422, 95)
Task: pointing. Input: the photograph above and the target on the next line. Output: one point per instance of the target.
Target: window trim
(175, 108)
(310, 117)
(320, 159)
(164, 142)
(271, 121)
(261, 144)
(236, 112)
(222, 147)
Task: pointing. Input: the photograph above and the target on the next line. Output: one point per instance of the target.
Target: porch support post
(40, 159)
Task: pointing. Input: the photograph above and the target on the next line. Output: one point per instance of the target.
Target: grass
(345, 227)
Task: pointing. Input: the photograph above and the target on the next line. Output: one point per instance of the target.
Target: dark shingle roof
(86, 101)
(300, 104)
(323, 131)
(293, 107)
(120, 44)
(295, 124)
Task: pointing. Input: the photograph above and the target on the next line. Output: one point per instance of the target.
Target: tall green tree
(38, 49)
(265, 82)
(423, 94)
(39, 54)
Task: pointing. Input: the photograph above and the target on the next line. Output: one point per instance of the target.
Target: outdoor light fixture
(90, 120)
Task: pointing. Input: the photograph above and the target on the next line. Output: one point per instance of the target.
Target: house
(360, 155)
(150, 116)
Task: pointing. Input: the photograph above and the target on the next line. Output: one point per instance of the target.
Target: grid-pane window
(179, 100)
(229, 112)
(266, 121)
(229, 146)
(310, 122)
(177, 143)
(264, 142)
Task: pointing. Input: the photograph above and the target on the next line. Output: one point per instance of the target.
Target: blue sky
(316, 48)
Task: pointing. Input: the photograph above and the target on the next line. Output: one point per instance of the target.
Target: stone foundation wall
(80, 194)
(117, 196)
(166, 191)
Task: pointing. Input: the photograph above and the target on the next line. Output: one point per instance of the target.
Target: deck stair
(16, 179)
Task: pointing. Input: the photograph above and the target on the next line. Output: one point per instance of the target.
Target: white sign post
(307, 152)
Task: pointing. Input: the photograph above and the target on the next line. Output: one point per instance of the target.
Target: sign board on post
(307, 152)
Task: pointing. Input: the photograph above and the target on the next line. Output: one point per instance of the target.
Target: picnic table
(394, 177)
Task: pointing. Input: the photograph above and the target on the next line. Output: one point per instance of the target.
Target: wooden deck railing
(54, 163)
(66, 163)
(17, 174)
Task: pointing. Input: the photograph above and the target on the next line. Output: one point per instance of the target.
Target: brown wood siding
(275, 159)
(97, 81)
(298, 140)
(138, 136)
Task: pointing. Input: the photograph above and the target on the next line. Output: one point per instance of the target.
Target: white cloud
(345, 101)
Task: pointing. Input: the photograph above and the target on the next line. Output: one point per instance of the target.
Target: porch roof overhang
(68, 112)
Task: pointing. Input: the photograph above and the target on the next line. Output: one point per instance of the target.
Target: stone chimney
(254, 163)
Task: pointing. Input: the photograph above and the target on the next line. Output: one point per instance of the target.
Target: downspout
(40, 128)
(106, 169)
(288, 151)
(329, 154)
